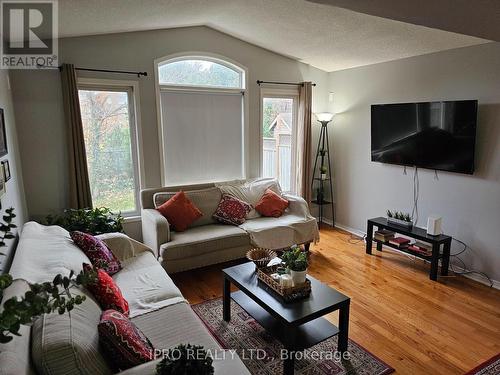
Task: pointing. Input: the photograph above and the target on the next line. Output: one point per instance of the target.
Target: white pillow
(251, 191)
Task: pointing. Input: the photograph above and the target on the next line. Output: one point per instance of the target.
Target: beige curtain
(79, 186)
(304, 136)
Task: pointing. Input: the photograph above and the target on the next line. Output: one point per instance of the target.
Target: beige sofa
(68, 344)
(209, 242)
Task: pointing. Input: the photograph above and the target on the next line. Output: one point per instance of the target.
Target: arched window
(201, 72)
(201, 105)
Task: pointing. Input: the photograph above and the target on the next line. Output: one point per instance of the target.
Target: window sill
(132, 219)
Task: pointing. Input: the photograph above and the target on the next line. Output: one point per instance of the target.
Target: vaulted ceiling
(327, 37)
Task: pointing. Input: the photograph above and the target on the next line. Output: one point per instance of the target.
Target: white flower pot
(323, 176)
(298, 277)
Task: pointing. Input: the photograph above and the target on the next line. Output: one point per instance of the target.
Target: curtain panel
(79, 186)
(304, 138)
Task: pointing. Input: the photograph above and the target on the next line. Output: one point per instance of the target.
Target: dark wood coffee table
(298, 325)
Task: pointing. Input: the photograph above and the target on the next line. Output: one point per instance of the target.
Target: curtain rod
(101, 70)
(282, 83)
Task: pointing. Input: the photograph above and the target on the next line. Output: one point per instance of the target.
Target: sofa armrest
(297, 205)
(122, 246)
(155, 229)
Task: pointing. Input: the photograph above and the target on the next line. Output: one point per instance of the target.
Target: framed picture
(6, 170)
(2, 181)
(3, 136)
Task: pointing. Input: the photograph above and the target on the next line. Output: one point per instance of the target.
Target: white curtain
(202, 136)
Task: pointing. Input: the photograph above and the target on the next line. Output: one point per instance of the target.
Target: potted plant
(95, 221)
(186, 360)
(323, 172)
(296, 261)
(399, 218)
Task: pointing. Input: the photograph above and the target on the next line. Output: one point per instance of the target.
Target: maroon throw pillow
(106, 292)
(99, 254)
(123, 344)
(231, 210)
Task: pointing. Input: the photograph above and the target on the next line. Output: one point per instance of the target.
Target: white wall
(14, 196)
(469, 205)
(39, 111)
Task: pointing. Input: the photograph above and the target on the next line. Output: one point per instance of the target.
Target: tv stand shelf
(416, 233)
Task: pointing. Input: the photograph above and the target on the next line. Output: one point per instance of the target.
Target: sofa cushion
(271, 204)
(69, 343)
(206, 200)
(106, 292)
(145, 284)
(251, 191)
(174, 325)
(202, 240)
(180, 212)
(231, 210)
(97, 251)
(124, 344)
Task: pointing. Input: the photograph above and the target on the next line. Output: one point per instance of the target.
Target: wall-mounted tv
(434, 135)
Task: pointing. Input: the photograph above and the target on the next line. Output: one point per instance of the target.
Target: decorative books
(400, 242)
(423, 245)
(419, 250)
(383, 235)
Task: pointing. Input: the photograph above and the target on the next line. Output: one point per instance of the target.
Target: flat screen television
(434, 135)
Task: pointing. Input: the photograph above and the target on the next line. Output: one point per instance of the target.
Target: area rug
(490, 367)
(261, 352)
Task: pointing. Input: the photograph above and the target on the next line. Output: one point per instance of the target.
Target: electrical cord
(466, 271)
(416, 188)
(354, 239)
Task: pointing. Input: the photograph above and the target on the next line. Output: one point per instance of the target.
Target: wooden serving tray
(288, 294)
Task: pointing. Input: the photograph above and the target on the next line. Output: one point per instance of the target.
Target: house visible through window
(278, 134)
(201, 103)
(109, 133)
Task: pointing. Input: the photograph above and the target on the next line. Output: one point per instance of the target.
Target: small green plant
(94, 221)
(186, 360)
(295, 259)
(399, 215)
(6, 227)
(323, 169)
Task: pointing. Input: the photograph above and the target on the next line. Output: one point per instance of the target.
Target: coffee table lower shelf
(307, 334)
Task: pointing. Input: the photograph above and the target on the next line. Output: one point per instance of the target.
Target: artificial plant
(295, 259)
(94, 221)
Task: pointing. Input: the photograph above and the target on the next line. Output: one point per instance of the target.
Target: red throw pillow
(124, 345)
(106, 292)
(271, 204)
(180, 211)
(99, 254)
(231, 210)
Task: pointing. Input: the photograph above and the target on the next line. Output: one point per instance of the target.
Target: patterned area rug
(490, 367)
(261, 352)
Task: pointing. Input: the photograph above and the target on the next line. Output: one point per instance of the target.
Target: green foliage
(186, 360)
(399, 215)
(6, 227)
(94, 221)
(323, 169)
(41, 299)
(295, 259)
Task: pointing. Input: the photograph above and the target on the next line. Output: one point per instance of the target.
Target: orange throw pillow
(180, 211)
(271, 204)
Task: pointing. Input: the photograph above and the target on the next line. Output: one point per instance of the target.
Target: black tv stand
(416, 233)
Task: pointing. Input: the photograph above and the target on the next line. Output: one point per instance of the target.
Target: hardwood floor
(414, 324)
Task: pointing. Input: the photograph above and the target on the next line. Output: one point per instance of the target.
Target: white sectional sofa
(207, 241)
(69, 344)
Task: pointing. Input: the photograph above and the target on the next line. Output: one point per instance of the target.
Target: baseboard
(472, 276)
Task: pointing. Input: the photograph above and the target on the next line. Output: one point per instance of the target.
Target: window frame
(132, 89)
(284, 93)
(219, 59)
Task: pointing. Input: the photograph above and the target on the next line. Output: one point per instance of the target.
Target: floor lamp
(320, 179)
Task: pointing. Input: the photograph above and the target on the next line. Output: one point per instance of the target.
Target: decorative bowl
(261, 257)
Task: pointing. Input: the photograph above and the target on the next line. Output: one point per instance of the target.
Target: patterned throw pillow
(99, 254)
(231, 210)
(123, 344)
(271, 204)
(106, 292)
(180, 211)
